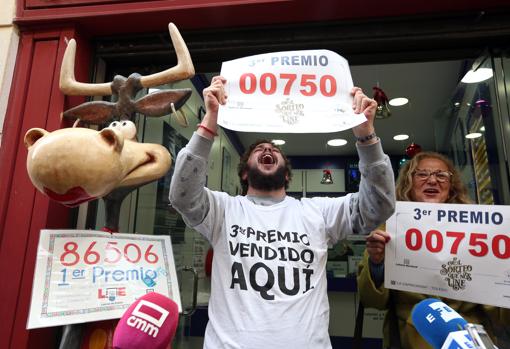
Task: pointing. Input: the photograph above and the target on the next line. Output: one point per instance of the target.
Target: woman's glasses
(441, 176)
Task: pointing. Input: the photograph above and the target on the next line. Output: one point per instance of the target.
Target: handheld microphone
(150, 322)
(435, 321)
(444, 328)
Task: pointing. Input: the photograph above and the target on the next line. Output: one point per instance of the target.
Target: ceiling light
(473, 135)
(400, 137)
(482, 128)
(278, 141)
(337, 142)
(481, 74)
(456, 104)
(397, 102)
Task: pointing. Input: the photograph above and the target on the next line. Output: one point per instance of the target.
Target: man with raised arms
(268, 284)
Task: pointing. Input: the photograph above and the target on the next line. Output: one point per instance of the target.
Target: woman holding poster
(428, 177)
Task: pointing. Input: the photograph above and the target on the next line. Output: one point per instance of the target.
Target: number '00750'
(434, 242)
(268, 84)
(131, 253)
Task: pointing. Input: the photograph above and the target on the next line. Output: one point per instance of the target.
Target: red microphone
(150, 322)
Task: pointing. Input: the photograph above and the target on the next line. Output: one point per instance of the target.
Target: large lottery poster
(84, 275)
(291, 92)
(450, 250)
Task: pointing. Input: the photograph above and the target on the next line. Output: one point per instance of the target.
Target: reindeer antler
(69, 85)
(183, 70)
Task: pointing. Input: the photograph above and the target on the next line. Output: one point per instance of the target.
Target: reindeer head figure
(155, 104)
(75, 165)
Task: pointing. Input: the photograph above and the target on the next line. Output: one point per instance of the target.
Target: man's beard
(260, 181)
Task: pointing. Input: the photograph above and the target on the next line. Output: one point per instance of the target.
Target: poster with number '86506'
(450, 250)
(84, 275)
(292, 92)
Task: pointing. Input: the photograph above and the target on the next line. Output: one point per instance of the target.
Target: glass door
(471, 128)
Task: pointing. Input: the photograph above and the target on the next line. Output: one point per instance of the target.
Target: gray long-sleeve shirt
(269, 268)
(374, 202)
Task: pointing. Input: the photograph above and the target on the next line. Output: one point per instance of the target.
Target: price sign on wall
(449, 250)
(83, 275)
(291, 92)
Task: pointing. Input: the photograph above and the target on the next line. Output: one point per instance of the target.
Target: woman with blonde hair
(457, 193)
(427, 177)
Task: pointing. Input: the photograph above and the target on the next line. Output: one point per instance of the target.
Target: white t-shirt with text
(269, 287)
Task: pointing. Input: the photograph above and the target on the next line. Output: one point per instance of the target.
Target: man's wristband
(366, 138)
(207, 129)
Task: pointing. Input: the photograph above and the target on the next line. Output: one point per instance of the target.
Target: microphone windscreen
(150, 322)
(434, 321)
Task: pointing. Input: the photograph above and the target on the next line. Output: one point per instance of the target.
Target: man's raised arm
(187, 189)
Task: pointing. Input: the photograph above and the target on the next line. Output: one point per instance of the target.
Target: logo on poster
(111, 293)
(289, 111)
(457, 274)
(507, 275)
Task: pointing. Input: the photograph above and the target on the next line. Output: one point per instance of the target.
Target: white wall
(9, 39)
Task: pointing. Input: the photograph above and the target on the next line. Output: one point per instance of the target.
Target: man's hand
(362, 104)
(376, 244)
(214, 95)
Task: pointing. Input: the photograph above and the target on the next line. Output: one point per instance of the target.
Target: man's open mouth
(267, 159)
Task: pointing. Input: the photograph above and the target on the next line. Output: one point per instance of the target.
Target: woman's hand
(376, 244)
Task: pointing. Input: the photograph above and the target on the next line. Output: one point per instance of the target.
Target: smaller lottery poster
(291, 92)
(450, 250)
(82, 275)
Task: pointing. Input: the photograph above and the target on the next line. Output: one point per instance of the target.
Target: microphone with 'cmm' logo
(150, 322)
